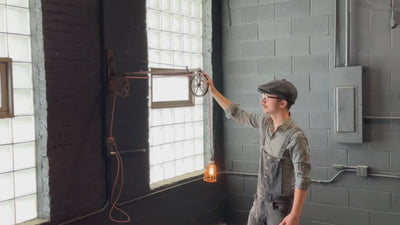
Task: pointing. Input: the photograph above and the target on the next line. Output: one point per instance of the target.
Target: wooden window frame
(6, 95)
(171, 104)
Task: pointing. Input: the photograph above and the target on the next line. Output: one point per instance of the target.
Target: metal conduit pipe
(121, 152)
(312, 180)
(347, 32)
(368, 174)
(383, 117)
(395, 176)
(346, 35)
(333, 178)
(342, 169)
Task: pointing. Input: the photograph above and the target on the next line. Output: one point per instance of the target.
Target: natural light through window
(170, 90)
(18, 198)
(174, 31)
(163, 92)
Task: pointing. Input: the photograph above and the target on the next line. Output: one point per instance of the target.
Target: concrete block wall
(265, 40)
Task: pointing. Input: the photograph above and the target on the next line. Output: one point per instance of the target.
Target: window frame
(170, 104)
(7, 100)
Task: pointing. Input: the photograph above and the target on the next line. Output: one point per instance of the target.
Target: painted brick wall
(265, 40)
(72, 51)
(79, 113)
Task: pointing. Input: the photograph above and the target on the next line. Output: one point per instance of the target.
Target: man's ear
(283, 103)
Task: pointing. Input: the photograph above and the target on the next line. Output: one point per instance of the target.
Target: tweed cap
(281, 88)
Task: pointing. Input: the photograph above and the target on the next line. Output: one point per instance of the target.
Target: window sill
(176, 180)
(34, 222)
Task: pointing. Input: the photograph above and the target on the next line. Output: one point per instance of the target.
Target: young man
(284, 168)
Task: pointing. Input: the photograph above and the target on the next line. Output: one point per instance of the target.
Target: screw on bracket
(110, 145)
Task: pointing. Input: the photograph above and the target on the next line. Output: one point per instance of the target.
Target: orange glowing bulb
(211, 172)
(210, 175)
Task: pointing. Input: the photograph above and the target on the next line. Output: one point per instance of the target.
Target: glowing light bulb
(210, 175)
(211, 172)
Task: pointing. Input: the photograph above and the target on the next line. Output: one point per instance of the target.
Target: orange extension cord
(120, 172)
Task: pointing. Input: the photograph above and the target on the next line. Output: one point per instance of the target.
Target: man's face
(271, 103)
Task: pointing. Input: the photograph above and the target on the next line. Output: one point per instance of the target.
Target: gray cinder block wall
(273, 39)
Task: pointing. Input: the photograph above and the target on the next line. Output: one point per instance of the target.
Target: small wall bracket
(116, 81)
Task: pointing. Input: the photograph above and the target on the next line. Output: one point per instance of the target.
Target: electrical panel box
(345, 108)
(346, 83)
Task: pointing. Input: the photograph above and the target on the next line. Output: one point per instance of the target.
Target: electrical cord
(120, 171)
(210, 127)
(119, 174)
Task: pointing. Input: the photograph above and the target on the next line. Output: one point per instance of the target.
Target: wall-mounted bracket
(117, 83)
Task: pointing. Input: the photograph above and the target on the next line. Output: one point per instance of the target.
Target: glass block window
(174, 32)
(18, 198)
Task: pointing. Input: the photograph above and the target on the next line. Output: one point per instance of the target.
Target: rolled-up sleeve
(245, 118)
(301, 161)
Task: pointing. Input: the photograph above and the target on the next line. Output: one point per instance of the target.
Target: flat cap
(281, 88)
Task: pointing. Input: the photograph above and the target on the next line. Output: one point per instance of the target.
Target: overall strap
(285, 143)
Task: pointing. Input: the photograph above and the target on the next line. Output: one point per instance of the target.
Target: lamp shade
(210, 175)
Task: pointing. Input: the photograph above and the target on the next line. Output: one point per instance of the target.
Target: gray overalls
(272, 202)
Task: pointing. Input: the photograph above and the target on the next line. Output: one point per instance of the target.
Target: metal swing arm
(118, 82)
(164, 72)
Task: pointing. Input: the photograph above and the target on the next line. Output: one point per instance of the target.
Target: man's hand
(222, 101)
(294, 216)
(210, 83)
(290, 220)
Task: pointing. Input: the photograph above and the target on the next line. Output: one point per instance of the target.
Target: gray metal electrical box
(345, 108)
(346, 83)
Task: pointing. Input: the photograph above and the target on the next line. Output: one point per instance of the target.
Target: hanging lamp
(210, 175)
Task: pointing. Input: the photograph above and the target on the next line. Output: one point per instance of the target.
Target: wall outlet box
(362, 171)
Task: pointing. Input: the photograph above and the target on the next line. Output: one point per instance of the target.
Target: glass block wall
(174, 31)
(18, 201)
